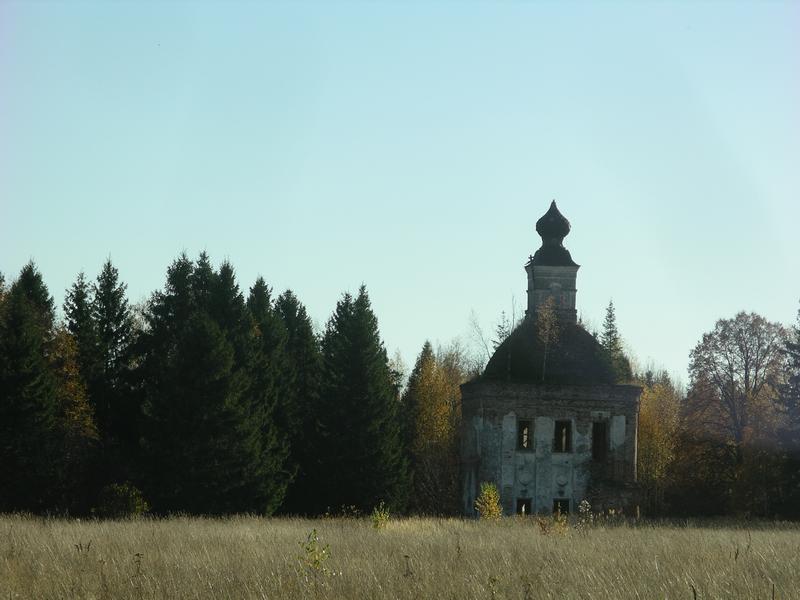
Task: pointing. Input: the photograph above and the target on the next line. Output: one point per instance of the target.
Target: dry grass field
(249, 557)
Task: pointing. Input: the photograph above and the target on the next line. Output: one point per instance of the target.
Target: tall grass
(248, 557)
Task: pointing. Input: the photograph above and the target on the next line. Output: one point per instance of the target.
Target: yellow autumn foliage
(658, 437)
(433, 400)
(76, 415)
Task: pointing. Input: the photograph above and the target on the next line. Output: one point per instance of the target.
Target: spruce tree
(109, 393)
(206, 424)
(197, 426)
(612, 345)
(80, 324)
(273, 392)
(502, 330)
(171, 309)
(202, 282)
(362, 458)
(305, 365)
(28, 403)
(113, 324)
(31, 285)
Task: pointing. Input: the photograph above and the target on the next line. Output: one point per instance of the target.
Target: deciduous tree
(659, 420)
(546, 329)
(77, 433)
(736, 372)
(790, 425)
(431, 404)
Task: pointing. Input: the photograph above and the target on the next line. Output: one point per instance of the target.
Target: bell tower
(551, 271)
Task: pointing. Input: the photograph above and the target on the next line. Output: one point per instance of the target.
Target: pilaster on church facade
(546, 421)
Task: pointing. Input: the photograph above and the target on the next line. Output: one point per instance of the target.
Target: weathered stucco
(536, 475)
(553, 282)
(492, 412)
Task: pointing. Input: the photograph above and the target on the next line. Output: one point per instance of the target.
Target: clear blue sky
(412, 147)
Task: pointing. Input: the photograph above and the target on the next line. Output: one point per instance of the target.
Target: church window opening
(524, 435)
(561, 506)
(599, 441)
(562, 440)
(524, 506)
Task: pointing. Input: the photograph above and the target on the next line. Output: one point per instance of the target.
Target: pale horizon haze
(412, 147)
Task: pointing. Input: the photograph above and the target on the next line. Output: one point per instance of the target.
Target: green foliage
(215, 405)
(30, 285)
(272, 390)
(380, 516)
(121, 501)
(502, 330)
(358, 397)
(488, 502)
(314, 555)
(112, 326)
(116, 407)
(612, 345)
(208, 440)
(304, 364)
(80, 324)
(100, 321)
(28, 401)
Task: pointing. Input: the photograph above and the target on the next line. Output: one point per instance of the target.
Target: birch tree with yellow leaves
(659, 422)
(432, 401)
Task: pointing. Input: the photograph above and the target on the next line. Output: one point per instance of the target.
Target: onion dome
(553, 227)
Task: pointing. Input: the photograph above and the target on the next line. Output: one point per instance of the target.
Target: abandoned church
(546, 421)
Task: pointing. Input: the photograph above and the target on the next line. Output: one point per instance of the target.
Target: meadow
(251, 557)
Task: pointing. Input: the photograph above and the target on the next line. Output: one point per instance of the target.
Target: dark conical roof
(553, 227)
(576, 357)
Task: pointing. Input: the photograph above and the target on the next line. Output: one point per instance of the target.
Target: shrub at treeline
(207, 400)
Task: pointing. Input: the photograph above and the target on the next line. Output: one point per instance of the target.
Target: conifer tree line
(213, 399)
(209, 399)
